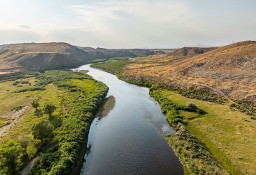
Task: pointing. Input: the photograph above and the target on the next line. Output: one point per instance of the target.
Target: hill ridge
(56, 55)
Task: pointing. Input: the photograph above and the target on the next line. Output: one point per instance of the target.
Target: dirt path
(29, 166)
(15, 116)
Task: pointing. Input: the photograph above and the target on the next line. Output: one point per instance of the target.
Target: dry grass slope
(228, 70)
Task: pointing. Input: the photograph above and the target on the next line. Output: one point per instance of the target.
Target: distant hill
(111, 53)
(56, 55)
(42, 56)
(228, 70)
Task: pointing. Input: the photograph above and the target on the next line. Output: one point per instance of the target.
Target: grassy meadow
(228, 134)
(112, 66)
(74, 96)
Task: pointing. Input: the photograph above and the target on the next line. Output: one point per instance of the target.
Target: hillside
(42, 56)
(228, 71)
(45, 56)
(221, 82)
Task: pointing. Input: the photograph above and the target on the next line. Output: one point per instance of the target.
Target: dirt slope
(228, 70)
(32, 56)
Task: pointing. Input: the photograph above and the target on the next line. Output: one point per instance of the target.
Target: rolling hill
(56, 55)
(228, 71)
(32, 56)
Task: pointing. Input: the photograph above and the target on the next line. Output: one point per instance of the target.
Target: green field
(75, 97)
(112, 66)
(228, 134)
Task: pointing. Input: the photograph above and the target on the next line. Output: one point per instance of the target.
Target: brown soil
(15, 117)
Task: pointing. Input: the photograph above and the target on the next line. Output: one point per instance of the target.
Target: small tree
(49, 109)
(43, 131)
(35, 104)
(38, 113)
(10, 153)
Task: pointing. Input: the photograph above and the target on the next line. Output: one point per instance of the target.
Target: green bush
(172, 110)
(35, 88)
(43, 130)
(11, 154)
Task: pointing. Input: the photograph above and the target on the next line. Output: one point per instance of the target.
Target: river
(126, 137)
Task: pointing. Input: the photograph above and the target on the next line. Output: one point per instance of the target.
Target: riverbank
(73, 98)
(194, 155)
(222, 131)
(104, 108)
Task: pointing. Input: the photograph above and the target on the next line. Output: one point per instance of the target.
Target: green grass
(112, 66)
(228, 134)
(76, 97)
(50, 95)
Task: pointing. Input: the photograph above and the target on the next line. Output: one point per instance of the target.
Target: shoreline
(100, 112)
(185, 164)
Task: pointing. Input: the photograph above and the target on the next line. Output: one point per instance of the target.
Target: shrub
(43, 131)
(49, 109)
(35, 88)
(35, 104)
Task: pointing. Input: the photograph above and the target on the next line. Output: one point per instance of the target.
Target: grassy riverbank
(74, 98)
(113, 66)
(222, 137)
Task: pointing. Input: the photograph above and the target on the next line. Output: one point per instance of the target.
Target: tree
(49, 109)
(38, 112)
(35, 104)
(10, 153)
(43, 131)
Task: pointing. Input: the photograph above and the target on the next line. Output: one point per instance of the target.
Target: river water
(126, 136)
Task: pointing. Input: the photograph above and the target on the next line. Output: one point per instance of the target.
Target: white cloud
(24, 26)
(136, 22)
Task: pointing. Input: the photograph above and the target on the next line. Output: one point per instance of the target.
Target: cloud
(24, 27)
(138, 23)
(133, 12)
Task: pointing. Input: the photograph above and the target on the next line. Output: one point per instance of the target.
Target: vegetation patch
(222, 131)
(244, 106)
(195, 157)
(56, 124)
(113, 66)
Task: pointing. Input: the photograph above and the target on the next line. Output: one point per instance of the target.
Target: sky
(128, 23)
